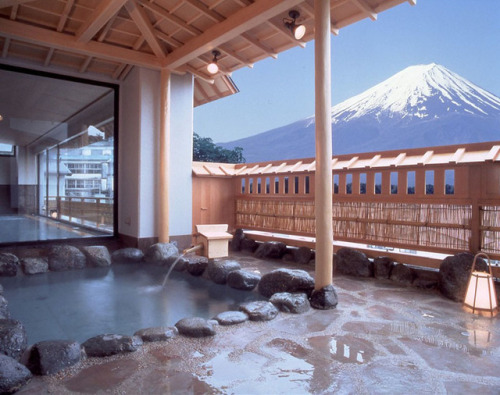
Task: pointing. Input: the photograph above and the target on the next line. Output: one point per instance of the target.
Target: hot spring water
(122, 299)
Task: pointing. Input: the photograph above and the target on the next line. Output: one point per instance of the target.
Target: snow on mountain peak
(423, 91)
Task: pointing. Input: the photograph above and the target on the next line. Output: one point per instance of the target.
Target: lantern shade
(481, 295)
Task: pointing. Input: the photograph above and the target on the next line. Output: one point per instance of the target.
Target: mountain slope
(424, 105)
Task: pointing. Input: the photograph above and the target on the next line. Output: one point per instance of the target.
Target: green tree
(205, 150)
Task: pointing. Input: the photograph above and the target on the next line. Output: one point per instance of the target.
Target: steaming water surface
(77, 305)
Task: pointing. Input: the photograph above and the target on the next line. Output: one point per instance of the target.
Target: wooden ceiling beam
(237, 24)
(64, 15)
(366, 9)
(167, 39)
(48, 57)
(141, 20)
(85, 64)
(268, 51)
(213, 15)
(5, 49)
(53, 39)
(101, 15)
(200, 75)
(171, 18)
(229, 52)
(216, 17)
(13, 12)
(12, 3)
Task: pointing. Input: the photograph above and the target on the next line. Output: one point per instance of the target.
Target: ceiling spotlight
(212, 67)
(298, 31)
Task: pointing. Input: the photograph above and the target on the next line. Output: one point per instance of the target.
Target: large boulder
(196, 265)
(402, 274)
(454, 273)
(161, 253)
(65, 257)
(127, 255)
(157, 334)
(8, 264)
(34, 265)
(285, 280)
(243, 280)
(111, 344)
(97, 256)
(52, 356)
(324, 298)
(237, 239)
(13, 375)
(382, 267)
(290, 303)
(195, 327)
(219, 270)
(271, 249)
(260, 310)
(353, 263)
(13, 340)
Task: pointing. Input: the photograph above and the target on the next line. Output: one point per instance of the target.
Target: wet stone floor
(381, 339)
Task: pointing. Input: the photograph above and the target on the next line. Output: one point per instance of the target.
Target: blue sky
(462, 35)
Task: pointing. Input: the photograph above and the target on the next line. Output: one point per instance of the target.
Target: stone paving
(381, 338)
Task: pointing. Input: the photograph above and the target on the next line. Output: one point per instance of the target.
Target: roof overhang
(110, 37)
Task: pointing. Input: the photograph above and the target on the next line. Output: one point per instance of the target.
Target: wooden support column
(323, 180)
(163, 218)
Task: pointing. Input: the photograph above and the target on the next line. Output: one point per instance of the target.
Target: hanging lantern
(481, 297)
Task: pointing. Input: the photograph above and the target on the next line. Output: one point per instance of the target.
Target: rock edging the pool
(20, 362)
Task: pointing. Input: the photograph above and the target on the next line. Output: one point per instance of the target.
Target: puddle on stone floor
(345, 349)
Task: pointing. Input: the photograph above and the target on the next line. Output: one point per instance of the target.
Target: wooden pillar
(163, 218)
(475, 188)
(323, 184)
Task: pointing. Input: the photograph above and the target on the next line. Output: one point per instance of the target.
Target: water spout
(186, 251)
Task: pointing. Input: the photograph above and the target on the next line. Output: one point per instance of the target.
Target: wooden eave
(435, 156)
(109, 37)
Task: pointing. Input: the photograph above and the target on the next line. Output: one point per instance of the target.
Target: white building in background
(89, 170)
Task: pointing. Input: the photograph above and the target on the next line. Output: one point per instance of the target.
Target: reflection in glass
(61, 172)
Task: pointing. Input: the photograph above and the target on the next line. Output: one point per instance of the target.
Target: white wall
(149, 150)
(181, 154)
(128, 155)
(139, 154)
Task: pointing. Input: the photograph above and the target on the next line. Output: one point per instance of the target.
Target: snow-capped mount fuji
(421, 106)
(424, 91)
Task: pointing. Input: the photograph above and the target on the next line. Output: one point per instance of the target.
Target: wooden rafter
(171, 18)
(85, 64)
(106, 29)
(64, 16)
(37, 35)
(199, 75)
(216, 17)
(236, 25)
(13, 12)
(12, 3)
(48, 57)
(5, 49)
(101, 15)
(141, 20)
(366, 9)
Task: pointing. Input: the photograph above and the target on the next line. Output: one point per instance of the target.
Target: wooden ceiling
(110, 37)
